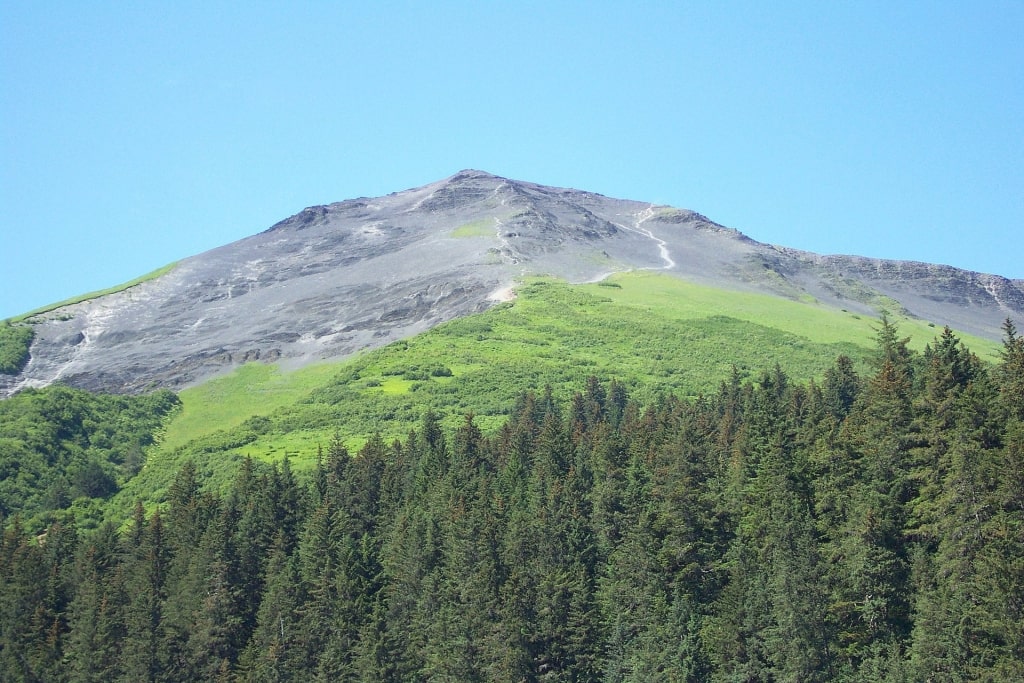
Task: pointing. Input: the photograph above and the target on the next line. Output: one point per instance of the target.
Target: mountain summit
(334, 279)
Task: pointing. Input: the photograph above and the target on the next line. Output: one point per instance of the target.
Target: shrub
(15, 341)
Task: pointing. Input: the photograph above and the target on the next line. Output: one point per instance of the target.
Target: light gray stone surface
(336, 279)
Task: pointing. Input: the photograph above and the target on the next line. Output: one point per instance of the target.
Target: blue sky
(135, 134)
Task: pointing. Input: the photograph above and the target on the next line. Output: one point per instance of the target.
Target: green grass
(481, 228)
(214, 416)
(228, 401)
(818, 323)
(95, 295)
(652, 332)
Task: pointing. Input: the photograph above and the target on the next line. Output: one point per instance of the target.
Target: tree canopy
(864, 528)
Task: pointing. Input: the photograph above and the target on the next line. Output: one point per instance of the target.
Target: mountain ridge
(337, 278)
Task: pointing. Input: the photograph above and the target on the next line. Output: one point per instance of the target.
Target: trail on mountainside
(505, 248)
(642, 218)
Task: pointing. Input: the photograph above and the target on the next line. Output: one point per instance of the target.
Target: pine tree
(953, 634)
(1010, 374)
(95, 618)
(273, 653)
(146, 571)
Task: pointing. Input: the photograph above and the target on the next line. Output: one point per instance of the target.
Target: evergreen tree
(146, 571)
(853, 530)
(95, 619)
(274, 652)
(1010, 373)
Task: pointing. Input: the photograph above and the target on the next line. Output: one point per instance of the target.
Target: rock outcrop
(335, 279)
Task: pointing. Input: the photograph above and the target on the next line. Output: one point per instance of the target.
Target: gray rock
(335, 279)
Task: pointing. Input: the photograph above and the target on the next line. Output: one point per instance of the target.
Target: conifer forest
(864, 526)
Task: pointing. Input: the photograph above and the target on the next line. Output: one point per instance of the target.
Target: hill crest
(337, 278)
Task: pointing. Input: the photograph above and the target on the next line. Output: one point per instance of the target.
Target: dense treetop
(866, 527)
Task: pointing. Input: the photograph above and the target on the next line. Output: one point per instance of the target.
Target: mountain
(335, 279)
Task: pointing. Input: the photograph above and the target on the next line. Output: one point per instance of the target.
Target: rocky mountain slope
(335, 279)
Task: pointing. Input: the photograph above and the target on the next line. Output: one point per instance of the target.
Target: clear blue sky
(135, 134)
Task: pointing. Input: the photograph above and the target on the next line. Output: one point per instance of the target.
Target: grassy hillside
(95, 295)
(652, 332)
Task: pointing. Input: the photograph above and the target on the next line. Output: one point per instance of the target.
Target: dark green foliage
(867, 529)
(15, 341)
(59, 445)
(1010, 374)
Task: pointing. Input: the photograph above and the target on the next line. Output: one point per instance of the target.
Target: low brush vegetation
(481, 228)
(638, 479)
(655, 334)
(64, 451)
(15, 341)
(652, 333)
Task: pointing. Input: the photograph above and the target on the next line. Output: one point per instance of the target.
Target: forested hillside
(63, 451)
(865, 527)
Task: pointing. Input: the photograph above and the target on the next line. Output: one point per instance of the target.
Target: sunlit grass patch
(395, 386)
(481, 228)
(227, 401)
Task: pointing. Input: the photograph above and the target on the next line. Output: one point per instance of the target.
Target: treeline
(858, 528)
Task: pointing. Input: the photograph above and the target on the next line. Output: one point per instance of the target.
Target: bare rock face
(334, 279)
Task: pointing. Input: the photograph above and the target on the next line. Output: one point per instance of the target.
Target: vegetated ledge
(15, 341)
(94, 295)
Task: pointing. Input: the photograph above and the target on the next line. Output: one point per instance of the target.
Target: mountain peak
(472, 174)
(356, 274)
